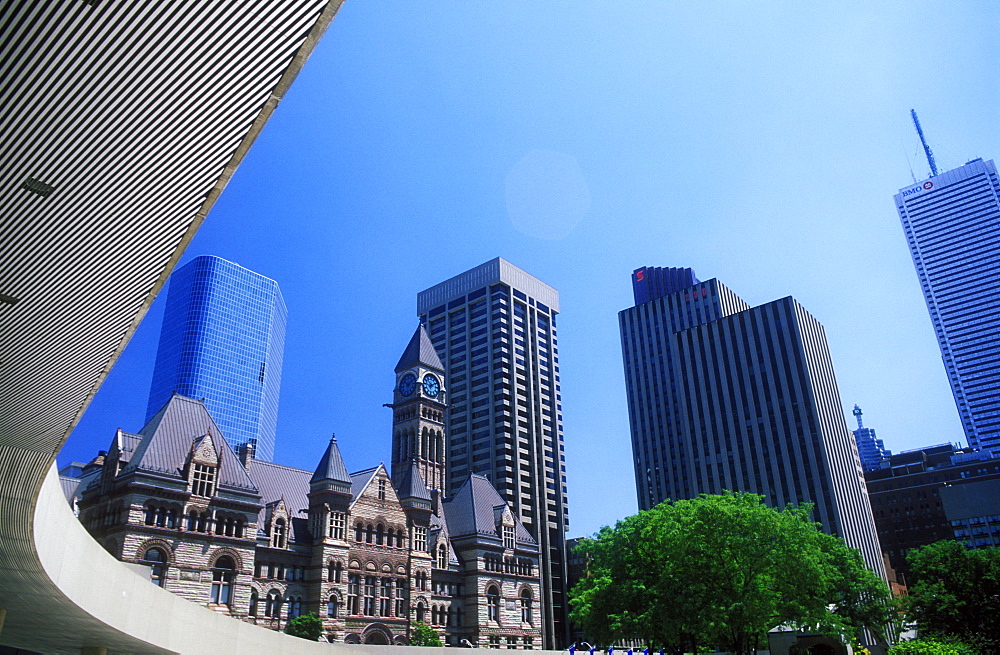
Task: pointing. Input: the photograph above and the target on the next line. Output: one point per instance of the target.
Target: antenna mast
(927, 148)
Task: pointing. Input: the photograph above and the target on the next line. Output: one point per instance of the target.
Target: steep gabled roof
(331, 465)
(474, 510)
(419, 351)
(166, 442)
(360, 480)
(412, 485)
(124, 444)
(277, 482)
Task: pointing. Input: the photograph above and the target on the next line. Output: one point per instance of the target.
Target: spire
(411, 485)
(857, 414)
(331, 465)
(420, 350)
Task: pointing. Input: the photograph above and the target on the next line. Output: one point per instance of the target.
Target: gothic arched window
(526, 609)
(493, 603)
(223, 574)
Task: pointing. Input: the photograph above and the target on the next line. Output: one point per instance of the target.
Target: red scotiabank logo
(640, 276)
(928, 185)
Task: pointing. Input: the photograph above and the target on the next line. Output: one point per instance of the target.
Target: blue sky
(760, 143)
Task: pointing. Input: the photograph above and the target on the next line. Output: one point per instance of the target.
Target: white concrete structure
(121, 123)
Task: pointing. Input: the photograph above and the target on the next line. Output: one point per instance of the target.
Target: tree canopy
(308, 626)
(722, 571)
(956, 593)
(422, 634)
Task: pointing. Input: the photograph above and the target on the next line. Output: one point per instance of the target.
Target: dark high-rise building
(222, 340)
(908, 493)
(725, 396)
(952, 225)
(494, 328)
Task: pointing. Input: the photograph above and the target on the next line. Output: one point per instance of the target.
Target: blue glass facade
(222, 339)
(871, 450)
(952, 225)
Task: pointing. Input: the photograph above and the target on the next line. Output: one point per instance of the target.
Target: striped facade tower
(723, 395)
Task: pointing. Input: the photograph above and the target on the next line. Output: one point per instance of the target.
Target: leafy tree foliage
(723, 570)
(308, 626)
(422, 634)
(931, 647)
(956, 593)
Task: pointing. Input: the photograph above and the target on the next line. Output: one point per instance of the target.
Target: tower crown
(419, 352)
(418, 412)
(331, 473)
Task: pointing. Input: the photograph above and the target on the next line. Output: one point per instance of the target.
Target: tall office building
(723, 395)
(871, 450)
(494, 328)
(222, 340)
(952, 225)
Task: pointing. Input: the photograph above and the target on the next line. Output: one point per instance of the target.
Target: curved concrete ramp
(121, 122)
(101, 595)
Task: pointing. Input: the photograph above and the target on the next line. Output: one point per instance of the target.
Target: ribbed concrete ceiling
(120, 123)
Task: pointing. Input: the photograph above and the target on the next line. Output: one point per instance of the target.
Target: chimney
(246, 455)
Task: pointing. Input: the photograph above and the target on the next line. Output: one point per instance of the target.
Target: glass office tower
(494, 328)
(725, 396)
(952, 225)
(222, 339)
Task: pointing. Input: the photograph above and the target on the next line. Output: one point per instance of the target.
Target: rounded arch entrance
(377, 634)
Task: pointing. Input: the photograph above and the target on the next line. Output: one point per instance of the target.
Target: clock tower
(418, 413)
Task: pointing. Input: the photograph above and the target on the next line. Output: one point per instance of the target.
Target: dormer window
(279, 534)
(381, 489)
(202, 480)
(508, 537)
(442, 556)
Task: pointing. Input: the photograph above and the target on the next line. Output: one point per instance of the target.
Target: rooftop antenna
(927, 148)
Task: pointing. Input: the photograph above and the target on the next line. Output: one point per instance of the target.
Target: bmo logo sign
(926, 186)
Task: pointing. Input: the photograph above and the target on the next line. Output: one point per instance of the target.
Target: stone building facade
(370, 552)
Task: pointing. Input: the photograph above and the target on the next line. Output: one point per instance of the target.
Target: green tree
(308, 626)
(422, 634)
(956, 593)
(930, 647)
(723, 570)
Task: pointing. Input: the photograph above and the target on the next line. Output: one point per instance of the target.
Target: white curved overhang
(120, 123)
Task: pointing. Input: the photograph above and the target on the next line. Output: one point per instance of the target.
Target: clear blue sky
(760, 143)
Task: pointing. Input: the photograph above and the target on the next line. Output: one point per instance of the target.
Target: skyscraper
(952, 225)
(723, 395)
(222, 339)
(871, 450)
(494, 328)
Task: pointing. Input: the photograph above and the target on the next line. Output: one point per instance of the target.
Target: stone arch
(371, 566)
(400, 640)
(226, 552)
(352, 638)
(144, 547)
(355, 564)
(376, 633)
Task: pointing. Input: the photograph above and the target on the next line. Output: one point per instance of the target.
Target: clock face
(408, 384)
(431, 385)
